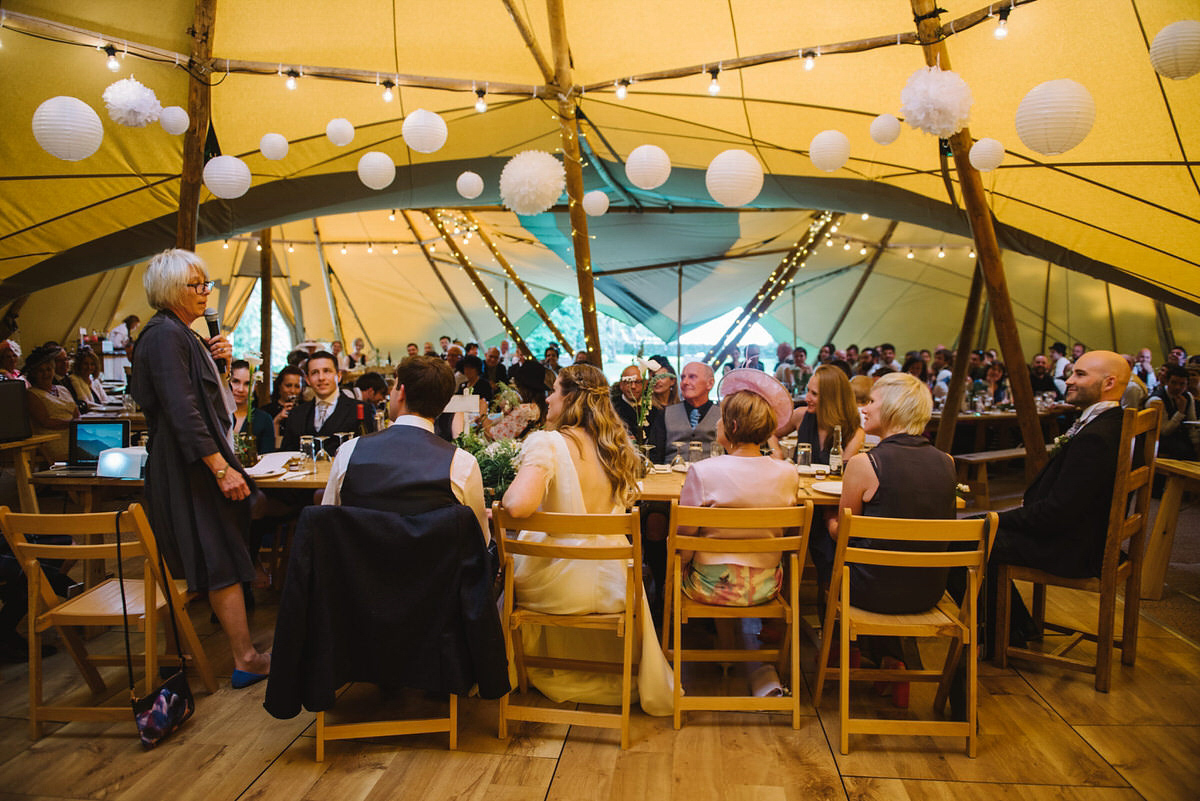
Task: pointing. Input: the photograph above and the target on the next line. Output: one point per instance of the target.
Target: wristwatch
(221, 473)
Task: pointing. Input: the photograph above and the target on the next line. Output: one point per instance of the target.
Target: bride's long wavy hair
(587, 404)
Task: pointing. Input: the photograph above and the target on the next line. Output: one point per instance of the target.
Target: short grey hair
(905, 403)
(167, 275)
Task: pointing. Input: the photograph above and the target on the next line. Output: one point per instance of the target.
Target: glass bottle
(835, 452)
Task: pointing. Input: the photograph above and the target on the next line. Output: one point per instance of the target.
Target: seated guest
(494, 369)
(1176, 440)
(10, 354)
(1041, 379)
(85, 377)
(472, 369)
(903, 476)
(583, 464)
(694, 419)
(530, 380)
(255, 422)
(358, 357)
(916, 366)
(62, 371)
(666, 385)
(289, 384)
(406, 468)
(995, 383)
(373, 391)
(329, 412)
(752, 359)
(340, 355)
(51, 407)
(628, 396)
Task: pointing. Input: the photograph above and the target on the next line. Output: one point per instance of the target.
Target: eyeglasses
(201, 287)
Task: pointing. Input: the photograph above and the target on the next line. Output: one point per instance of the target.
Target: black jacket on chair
(1062, 523)
(399, 601)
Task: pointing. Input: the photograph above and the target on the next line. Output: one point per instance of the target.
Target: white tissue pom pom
(531, 182)
(936, 101)
(130, 103)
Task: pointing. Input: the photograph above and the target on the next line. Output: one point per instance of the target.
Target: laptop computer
(88, 438)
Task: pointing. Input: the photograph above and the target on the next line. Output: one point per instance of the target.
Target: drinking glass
(343, 437)
(308, 453)
(716, 450)
(695, 451)
(322, 454)
(803, 453)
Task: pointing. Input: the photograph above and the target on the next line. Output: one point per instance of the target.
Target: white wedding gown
(575, 587)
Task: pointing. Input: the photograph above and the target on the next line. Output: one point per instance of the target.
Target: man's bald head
(1098, 375)
(695, 382)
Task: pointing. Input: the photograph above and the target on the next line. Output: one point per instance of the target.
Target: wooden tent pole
(266, 305)
(962, 356)
(480, 287)
(1045, 307)
(779, 278)
(862, 280)
(929, 31)
(441, 279)
(1166, 335)
(516, 279)
(1112, 322)
(333, 312)
(527, 36)
(573, 164)
(199, 109)
(679, 317)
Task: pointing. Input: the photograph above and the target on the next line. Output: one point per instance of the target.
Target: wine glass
(322, 454)
(343, 437)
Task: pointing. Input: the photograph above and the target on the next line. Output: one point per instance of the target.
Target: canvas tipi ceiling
(1100, 242)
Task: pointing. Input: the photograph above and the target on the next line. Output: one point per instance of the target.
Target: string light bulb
(258, 246)
(392, 216)
(910, 254)
(810, 61)
(395, 250)
(862, 251)
(1001, 23)
(343, 250)
(112, 62)
(941, 252)
(388, 96)
(226, 245)
(290, 81)
(480, 103)
(846, 246)
(622, 89)
(971, 255)
(714, 87)
(370, 248)
(866, 216)
(291, 248)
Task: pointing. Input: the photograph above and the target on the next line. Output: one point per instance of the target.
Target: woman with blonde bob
(583, 463)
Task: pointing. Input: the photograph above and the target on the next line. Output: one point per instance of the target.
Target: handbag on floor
(170, 704)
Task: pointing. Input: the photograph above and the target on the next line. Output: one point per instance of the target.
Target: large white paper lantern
(595, 203)
(1055, 116)
(986, 155)
(1175, 52)
(273, 146)
(376, 170)
(648, 167)
(469, 185)
(829, 150)
(734, 178)
(67, 128)
(174, 120)
(424, 131)
(532, 181)
(340, 131)
(227, 177)
(885, 129)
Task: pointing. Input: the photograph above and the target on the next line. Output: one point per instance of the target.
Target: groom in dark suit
(1062, 522)
(329, 412)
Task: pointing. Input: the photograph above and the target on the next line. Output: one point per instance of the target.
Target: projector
(122, 462)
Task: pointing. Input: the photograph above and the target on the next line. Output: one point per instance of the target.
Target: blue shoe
(244, 678)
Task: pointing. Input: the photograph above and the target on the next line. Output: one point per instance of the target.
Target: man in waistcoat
(406, 468)
(694, 419)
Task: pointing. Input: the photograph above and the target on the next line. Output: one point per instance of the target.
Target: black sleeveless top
(402, 469)
(916, 480)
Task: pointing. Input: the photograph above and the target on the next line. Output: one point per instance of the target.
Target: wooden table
(666, 487)
(1179, 474)
(985, 420)
(22, 453)
(136, 420)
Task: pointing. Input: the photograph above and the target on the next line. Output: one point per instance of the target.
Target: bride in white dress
(583, 465)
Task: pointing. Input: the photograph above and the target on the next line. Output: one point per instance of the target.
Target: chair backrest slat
(563, 525)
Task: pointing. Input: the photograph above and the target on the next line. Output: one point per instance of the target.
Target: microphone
(214, 328)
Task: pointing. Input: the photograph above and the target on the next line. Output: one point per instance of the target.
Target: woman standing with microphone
(196, 491)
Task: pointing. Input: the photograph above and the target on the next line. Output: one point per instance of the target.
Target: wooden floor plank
(873, 789)
(1161, 762)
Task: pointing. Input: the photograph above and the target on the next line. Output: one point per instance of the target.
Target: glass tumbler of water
(803, 454)
(695, 451)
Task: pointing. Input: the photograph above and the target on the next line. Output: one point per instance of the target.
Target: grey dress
(200, 532)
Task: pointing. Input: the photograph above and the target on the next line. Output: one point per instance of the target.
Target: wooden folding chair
(623, 624)
(97, 606)
(1126, 530)
(388, 728)
(678, 608)
(944, 620)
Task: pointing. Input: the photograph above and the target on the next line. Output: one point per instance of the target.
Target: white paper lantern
(376, 170)
(734, 178)
(1055, 116)
(67, 128)
(424, 131)
(648, 167)
(340, 131)
(273, 146)
(1175, 52)
(174, 120)
(885, 129)
(936, 101)
(531, 182)
(829, 150)
(595, 203)
(227, 177)
(986, 155)
(469, 185)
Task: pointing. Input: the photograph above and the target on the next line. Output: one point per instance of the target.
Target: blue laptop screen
(90, 438)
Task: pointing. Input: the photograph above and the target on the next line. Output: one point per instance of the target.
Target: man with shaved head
(1062, 522)
(693, 419)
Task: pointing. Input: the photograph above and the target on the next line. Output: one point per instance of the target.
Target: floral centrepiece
(497, 462)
